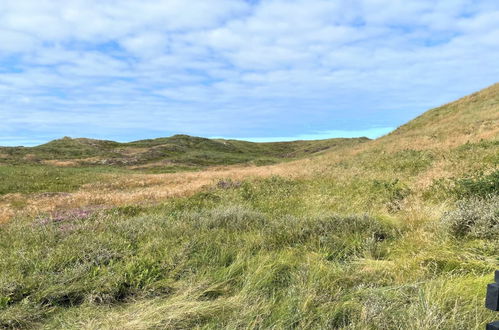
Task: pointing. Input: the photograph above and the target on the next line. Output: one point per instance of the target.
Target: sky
(258, 70)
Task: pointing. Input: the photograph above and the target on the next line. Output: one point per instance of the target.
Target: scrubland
(398, 232)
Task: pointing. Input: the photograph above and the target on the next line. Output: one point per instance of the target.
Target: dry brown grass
(125, 189)
(438, 170)
(161, 163)
(61, 163)
(6, 212)
(131, 151)
(30, 157)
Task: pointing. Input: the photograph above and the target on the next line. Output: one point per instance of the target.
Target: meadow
(397, 232)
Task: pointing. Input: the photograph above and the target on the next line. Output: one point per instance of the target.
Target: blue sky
(261, 70)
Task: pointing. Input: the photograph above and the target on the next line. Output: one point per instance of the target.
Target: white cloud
(211, 67)
(92, 20)
(146, 44)
(13, 42)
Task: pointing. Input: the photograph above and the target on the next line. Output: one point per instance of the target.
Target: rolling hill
(178, 150)
(397, 232)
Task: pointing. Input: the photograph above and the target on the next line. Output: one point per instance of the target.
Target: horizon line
(371, 133)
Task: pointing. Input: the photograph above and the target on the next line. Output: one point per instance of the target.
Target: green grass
(315, 252)
(252, 255)
(27, 179)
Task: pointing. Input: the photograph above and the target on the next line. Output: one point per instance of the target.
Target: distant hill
(178, 150)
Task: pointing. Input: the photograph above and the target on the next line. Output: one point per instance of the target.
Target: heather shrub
(474, 217)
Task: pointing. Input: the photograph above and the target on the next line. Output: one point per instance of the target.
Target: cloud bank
(137, 69)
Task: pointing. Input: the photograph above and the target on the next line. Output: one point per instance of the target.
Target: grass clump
(480, 185)
(474, 218)
(467, 186)
(338, 238)
(124, 255)
(38, 178)
(405, 161)
(233, 217)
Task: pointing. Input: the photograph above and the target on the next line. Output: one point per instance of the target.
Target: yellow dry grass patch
(178, 312)
(129, 151)
(6, 213)
(136, 189)
(30, 157)
(165, 162)
(61, 163)
(438, 170)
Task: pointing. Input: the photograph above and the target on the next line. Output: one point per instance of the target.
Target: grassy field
(398, 232)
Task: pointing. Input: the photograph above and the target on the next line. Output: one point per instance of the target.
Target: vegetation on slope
(400, 232)
(468, 120)
(167, 154)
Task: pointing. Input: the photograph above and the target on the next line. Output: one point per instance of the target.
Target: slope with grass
(467, 120)
(399, 232)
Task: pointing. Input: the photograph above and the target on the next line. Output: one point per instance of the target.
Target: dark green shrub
(480, 185)
(394, 193)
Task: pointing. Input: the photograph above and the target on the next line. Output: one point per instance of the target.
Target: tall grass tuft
(474, 217)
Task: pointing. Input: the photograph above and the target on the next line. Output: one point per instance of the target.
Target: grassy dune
(166, 155)
(399, 232)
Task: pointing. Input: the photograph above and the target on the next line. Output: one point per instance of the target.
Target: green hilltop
(171, 152)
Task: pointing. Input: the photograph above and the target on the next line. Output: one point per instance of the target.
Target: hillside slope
(467, 120)
(456, 140)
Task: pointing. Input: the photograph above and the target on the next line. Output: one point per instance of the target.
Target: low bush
(394, 192)
(479, 185)
(474, 217)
